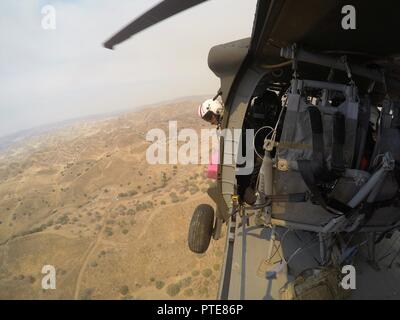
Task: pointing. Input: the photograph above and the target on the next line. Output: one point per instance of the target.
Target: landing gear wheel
(201, 228)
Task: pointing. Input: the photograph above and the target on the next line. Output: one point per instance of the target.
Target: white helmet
(209, 106)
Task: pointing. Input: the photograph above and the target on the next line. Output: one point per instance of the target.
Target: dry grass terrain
(84, 199)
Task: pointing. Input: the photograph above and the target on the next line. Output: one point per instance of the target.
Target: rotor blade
(160, 12)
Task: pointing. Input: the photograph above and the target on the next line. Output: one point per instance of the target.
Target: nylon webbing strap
(307, 170)
(339, 135)
(362, 131)
(314, 172)
(310, 169)
(317, 135)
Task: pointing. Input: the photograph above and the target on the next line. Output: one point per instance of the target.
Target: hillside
(84, 199)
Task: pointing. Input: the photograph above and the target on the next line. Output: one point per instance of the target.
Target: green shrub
(144, 205)
(219, 253)
(206, 273)
(160, 284)
(124, 290)
(132, 193)
(185, 282)
(109, 231)
(195, 273)
(50, 223)
(173, 289)
(64, 219)
(194, 189)
(188, 292)
(203, 291)
(174, 197)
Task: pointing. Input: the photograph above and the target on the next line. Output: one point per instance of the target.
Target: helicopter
(326, 183)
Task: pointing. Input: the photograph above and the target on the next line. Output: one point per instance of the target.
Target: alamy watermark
(49, 278)
(349, 18)
(349, 278)
(187, 146)
(49, 17)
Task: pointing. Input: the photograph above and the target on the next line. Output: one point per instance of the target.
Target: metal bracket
(343, 59)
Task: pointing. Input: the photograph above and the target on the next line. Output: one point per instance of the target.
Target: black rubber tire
(201, 228)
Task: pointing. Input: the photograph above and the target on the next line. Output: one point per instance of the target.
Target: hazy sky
(53, 75)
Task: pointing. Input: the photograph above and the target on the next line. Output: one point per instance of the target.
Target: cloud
(52, 75)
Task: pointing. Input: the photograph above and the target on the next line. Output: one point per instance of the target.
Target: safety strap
(317, 135)
(362, 131)
(369, 209)
(339, 136)
(314, 172)
(318, 165)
